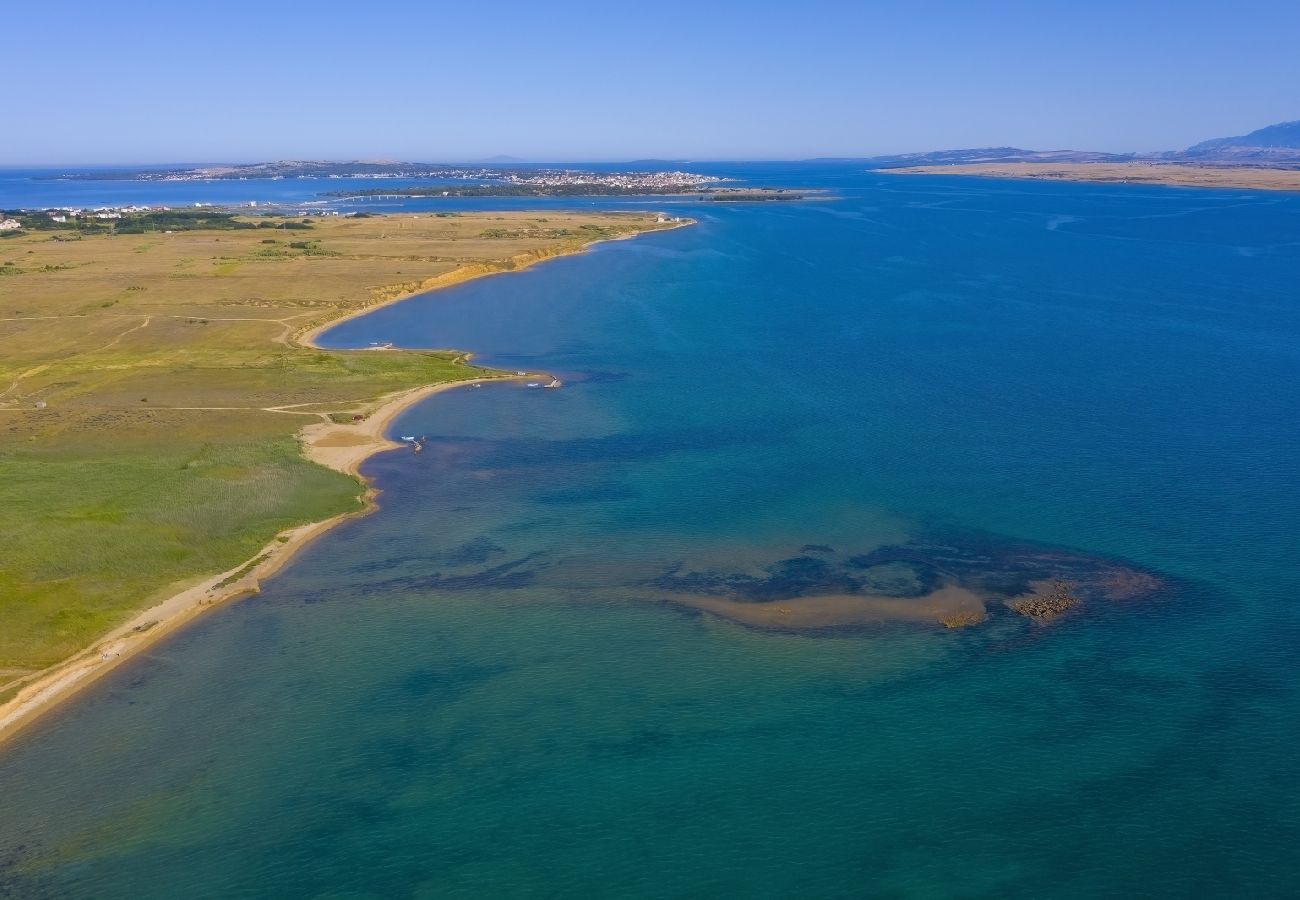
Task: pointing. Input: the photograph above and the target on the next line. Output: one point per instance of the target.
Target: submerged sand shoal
(951, 604)
(953, 579)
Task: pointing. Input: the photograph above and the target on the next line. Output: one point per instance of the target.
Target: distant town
(436, 181)
(520, 176)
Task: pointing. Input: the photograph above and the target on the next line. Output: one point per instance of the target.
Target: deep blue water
(481, 691)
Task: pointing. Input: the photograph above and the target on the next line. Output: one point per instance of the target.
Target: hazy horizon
(585, 82)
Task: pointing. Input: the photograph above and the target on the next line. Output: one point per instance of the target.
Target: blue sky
(129, 82)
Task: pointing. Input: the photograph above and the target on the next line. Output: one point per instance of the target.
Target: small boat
(408, 437)
(534, 384)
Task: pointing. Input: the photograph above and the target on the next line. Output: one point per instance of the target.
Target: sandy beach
(342, 447)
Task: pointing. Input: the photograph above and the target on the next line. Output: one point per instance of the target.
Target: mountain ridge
(1273, 146)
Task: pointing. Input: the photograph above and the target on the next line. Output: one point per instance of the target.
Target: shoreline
(50, 687)
(521, 262)
(1137, 173)
(341, 447)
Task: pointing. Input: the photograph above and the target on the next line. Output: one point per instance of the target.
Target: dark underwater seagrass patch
(955, 580)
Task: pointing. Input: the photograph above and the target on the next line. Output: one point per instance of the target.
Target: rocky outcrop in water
(1043, 607)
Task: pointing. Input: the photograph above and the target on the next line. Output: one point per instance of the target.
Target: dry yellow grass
(82, 320)
(1120, 173)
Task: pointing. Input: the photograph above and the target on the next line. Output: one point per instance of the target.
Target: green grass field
(141, 444)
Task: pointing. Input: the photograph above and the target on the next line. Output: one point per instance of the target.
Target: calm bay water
(478, 690)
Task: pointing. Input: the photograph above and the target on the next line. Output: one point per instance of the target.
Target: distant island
(1176, 174)
(582, 189)
(464, 181)
(1267, 158)
(513, 175)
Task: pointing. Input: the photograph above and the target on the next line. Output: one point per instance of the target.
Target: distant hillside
(983, 155)
(1284, 134)
(1275, 146)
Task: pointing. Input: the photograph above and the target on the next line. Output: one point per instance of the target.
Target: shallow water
(483, 689)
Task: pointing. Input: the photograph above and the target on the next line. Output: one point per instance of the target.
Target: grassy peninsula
(154, 387)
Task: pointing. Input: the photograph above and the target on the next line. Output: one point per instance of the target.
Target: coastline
(60, 682)
(518, 263)
(342, 447)
(1167, 174)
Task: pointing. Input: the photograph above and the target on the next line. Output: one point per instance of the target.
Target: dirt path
(287, 326)
(116, 340)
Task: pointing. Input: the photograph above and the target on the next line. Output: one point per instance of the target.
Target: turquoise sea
(491, 688)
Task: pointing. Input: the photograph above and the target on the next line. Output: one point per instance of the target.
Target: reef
(1051, 604)
(954, 581)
